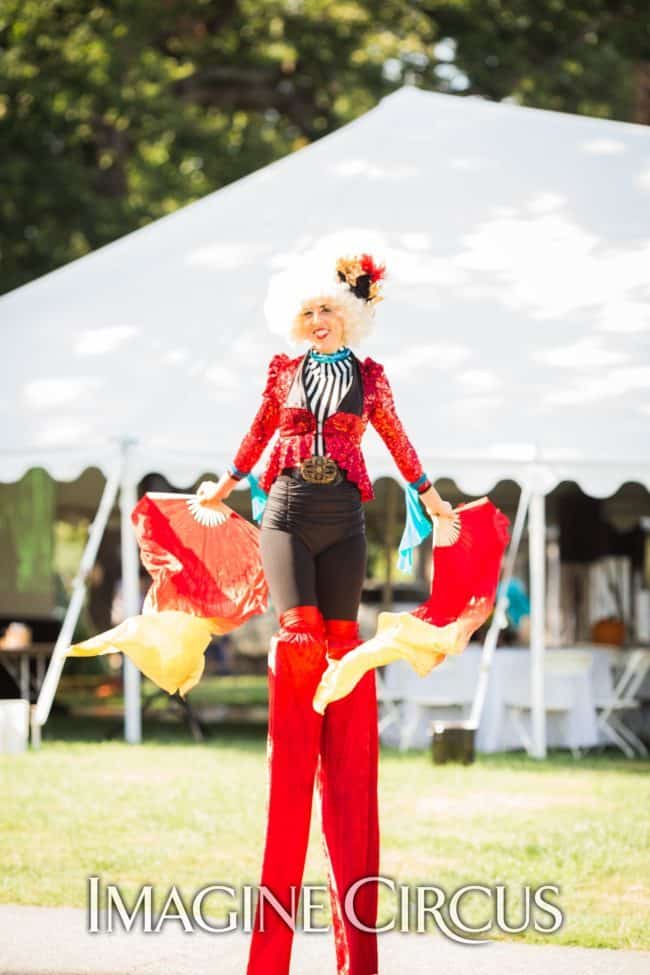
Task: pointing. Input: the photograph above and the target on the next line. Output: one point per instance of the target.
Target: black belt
(316, 470)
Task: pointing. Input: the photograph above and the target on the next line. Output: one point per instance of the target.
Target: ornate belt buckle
(319, 470)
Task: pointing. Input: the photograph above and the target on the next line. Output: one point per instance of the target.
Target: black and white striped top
(326, 383)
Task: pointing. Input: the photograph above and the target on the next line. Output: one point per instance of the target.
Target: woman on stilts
(313, 548)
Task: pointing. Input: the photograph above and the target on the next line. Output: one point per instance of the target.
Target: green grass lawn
(171, 811)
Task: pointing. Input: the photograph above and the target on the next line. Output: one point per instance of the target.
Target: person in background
(517, 613)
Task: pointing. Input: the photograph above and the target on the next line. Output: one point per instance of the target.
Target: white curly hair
(306, 279)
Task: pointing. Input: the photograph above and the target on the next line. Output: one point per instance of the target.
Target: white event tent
(515, 330)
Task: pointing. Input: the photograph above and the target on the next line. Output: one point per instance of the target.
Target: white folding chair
(442, 689)
(389, 703)
(559, 698)
(625, 699)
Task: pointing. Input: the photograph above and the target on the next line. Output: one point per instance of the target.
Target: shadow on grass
(252, 736)
(600, 758)
(82, 730)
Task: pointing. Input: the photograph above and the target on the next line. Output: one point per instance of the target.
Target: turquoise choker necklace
(342, 353)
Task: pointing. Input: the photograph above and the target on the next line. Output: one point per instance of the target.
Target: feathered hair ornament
(362, 276)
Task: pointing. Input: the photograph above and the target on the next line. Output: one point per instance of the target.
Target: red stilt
(296, 663)
(347, 781)
(340, 749)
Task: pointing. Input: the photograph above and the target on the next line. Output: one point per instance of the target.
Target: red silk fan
(207, 579)
(465, 572)
(467, 555)
(203, 561)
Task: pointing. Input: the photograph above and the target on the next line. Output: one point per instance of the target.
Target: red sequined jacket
(342, 432)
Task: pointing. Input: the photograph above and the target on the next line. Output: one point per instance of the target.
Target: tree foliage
(115, 112)
(590, 57)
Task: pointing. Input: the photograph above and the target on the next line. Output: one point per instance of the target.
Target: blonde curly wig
(305, 280)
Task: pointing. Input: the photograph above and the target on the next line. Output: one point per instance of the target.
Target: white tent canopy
(515, 330)
(516, 325)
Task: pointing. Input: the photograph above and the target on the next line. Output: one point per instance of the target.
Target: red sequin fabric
(342, 431)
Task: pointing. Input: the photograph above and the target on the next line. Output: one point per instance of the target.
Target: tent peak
(412, 92)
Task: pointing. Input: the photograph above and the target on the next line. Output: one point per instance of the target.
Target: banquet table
(574, 678)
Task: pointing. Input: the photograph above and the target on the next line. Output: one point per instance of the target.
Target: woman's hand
(211, 493)
(434, 503)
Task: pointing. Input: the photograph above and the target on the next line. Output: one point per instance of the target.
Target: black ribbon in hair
(361, 287)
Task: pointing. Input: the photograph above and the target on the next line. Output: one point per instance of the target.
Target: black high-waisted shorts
(319, 514)
(313, 546)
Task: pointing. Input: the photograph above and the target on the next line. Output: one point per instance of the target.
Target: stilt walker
(211, 570)
(313, 549)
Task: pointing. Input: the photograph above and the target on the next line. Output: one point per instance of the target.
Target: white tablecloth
(447, 693)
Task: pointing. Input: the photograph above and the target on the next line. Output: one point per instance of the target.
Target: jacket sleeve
(388, 425)
(265, 422)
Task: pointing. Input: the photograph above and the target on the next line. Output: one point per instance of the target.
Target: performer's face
(322, 323)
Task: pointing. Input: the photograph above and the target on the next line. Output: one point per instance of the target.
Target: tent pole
(131, 598)
(498, 621)
(537, 554)
(41, 710)
(389, 540)
(554, 587)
